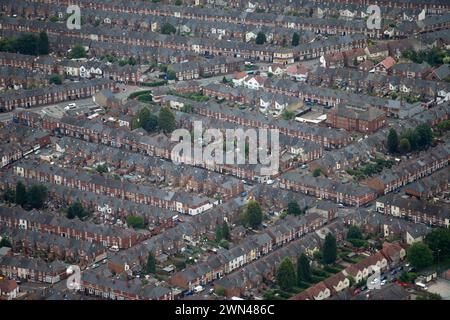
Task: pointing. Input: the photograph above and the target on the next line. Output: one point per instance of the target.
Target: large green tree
(218, 233)
(260, 38)
(293, 208)
(253, 215)
(55, 79)
(392, 140)
(424, 135)
(78, 51)
(404, 146)
(43, 44)
(285, 276)
(36, 196)
(354, 232)
(150, 266)
(136, 222)
(329, 250)
(166, 120)
(420, 255)
(148, 121)
(411, 136)
(295, 39)
(225, 231)
(439, 242)
(171, 75)
(167, 28)
(76, 209)
(27, 44)
(303, 269)
(21, 194)
(9, 195)
(317, 172)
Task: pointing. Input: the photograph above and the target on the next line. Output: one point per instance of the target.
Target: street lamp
(438, 250)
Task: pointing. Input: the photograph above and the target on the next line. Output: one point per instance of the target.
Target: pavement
(441, 287)
(57, 110)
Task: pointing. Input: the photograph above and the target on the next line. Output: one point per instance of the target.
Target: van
(422, 285)
(198, 289)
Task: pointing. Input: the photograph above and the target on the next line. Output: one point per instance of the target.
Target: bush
(136, 222)
(317, 172)
(138, 93)
(154, 84)
(220, 291)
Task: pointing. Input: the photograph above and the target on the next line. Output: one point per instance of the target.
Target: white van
(422, 285)
(198, 289)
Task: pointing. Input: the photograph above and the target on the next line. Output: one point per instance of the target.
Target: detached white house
(254, 82)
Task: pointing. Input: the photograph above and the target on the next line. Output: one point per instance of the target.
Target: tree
(218, 233)
(329, 250)
(285, 276)
(9, 195)
(295, 39)
(55, 79)
(77, 52)
(76, 209)
(178, 2)
(392, 140)
(148, 121)
(224, 244)
(21, 194)
(412, 137)
(293, 208)
(151, 125)
(288, 115)
(317, 172)
(407, 277)
(36, 196)
(225, 231)
(438, 241)
(424, 135)
(136, 222)
(260, 38)
(219, 290)
(102, 168)
(150, 267)
(253, 214)
(135, 123)
(187, 108)
(167, 28)
(171, 75)
(428, 296)
(26, 44)
(43, 44)
(5, 242)
(354, 232)
(303, 269)
(404, 146)
(166, 120)
(7, 45)
(420, 255)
